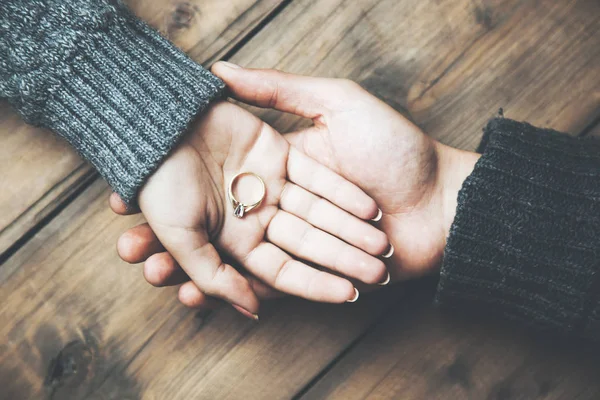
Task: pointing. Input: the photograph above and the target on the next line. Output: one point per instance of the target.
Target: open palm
(185, 203)
(369, 143)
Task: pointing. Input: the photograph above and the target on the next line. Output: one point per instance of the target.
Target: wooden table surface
(78, 323)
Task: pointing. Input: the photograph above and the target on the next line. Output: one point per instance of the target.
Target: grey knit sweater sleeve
(525, 242)
(120, 93)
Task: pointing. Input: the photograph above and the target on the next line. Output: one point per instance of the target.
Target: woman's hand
(413, 178)
(186, 205)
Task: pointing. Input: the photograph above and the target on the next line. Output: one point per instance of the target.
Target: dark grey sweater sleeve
(120, 93)
(525, 242)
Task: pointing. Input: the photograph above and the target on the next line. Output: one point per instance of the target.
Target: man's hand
(414, 179)
(308, 212)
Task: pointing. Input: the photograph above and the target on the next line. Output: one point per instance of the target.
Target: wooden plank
(76, 323)
(204, 29)
(527, 61)
(139, 341)
(40, 170)
(542, 71)
(420, 353)
(29, 186)
(448, 65)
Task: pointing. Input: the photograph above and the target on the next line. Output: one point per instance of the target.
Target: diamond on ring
(240, 209)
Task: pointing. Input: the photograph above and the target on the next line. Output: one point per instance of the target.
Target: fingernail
(246, 313)
(387, 280)
(356, 294)
(389, 253)
(378, 217)
(230, 65)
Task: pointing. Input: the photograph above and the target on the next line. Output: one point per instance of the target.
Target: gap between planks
(46, 208)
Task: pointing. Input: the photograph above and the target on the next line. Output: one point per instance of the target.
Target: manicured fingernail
(378, 217)
(389, 253)
(387, 280)
(356, 294)
(246, 313)
(230, 65)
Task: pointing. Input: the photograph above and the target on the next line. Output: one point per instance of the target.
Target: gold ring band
(239, 208)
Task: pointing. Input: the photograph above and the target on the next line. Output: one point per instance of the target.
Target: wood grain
(538, 60)
(423, 353)
(76, 323)
(40, 170)
(37, 168)
(450, 65)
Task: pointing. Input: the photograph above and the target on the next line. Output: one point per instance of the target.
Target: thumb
(202, 263)
(301, 95)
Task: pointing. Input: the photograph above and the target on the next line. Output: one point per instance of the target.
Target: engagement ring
(239, 208)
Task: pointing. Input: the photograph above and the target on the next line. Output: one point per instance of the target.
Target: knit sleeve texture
(89, 70)
(525, 242)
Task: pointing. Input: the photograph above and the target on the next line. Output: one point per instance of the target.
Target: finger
(303, 240)
(305, 96)
(303, 170)
(120, 207)
(324, 215)
(312, 142)
(190, 296)
(137, 244)
(202, 263)
(279, 270)
(161, 269)
(262, 290)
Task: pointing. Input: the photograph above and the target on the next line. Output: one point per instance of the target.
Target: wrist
(454, 166)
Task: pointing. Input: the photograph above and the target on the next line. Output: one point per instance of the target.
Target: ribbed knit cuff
(525, 242)
(128, 97)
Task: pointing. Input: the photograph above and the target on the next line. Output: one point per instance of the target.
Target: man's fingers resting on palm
(309, 212)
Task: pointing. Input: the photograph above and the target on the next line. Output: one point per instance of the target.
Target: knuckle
(311, 290)
(312, 209)
(217, 284)
(282, 272)
(273, 226)
(337, 190)
(304, 239)
(273, 93)
(286, 196)
(225, 282)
